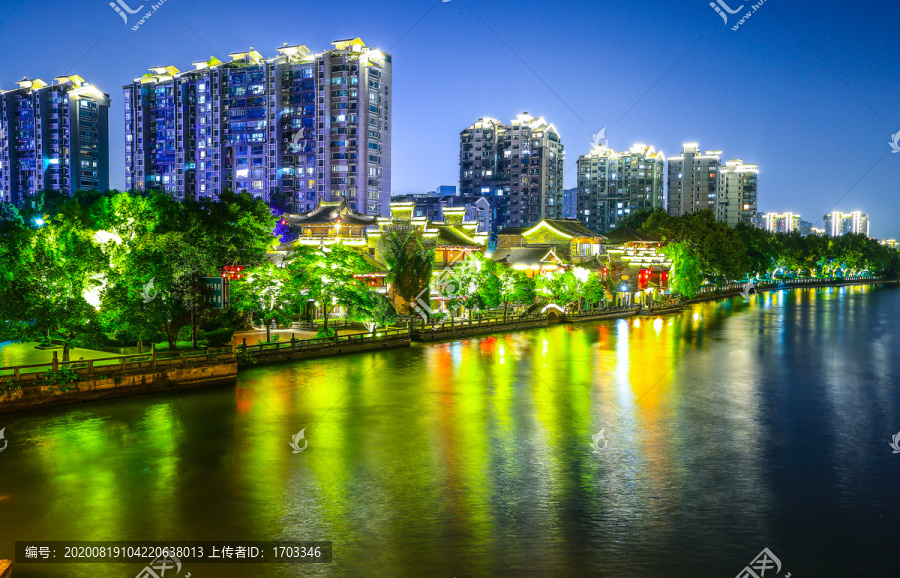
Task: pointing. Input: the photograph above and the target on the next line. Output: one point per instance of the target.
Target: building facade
(612, 185)
(693, 182)
(431, 206)
(316, 126)
(53, 136)
(782, 222)
(518, 166)
(837, 223)
(736, 199)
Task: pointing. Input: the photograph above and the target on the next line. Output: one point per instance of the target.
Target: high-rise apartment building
(53, 137)
(612, 185)
(570, 203)
(693, 180)
(314, 125)
(519, 166)
(837, 223)
(782, 222)
(736, 200)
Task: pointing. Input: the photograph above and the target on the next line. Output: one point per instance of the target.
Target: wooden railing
(118, 365)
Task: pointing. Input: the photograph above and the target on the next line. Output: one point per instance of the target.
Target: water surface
(728, 428)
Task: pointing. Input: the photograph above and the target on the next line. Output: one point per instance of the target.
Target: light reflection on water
(731, 427)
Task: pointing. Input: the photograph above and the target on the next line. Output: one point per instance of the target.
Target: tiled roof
(526, 256)
(327, 212)
(626, 234)
(450, 235)
(572, 227)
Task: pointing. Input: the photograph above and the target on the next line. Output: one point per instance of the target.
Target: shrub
(61, 377)
(325, 334)
(219, 337)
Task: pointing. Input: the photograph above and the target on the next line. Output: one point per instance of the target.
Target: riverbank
(64, 383)
(67, 383)
(735, 289)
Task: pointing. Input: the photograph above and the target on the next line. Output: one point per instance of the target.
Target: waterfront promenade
(34, 386)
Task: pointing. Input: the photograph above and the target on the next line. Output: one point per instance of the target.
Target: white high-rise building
(693, 180)
(736, 200)
(782, 222)
(838, 223)
(612, 185)
(519, 166)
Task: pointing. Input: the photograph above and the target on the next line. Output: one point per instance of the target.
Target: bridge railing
(296, 345)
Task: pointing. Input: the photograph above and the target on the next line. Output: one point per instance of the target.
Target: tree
(593, 290)
(687, 276)
(373, 309)
(60, 267)
(410, 266)
(326, 276)
(265, 294)
(515, 287)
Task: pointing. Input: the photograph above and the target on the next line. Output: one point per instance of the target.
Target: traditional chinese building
(549, 245)
(329, 223)
(453, 240)
(639, 271)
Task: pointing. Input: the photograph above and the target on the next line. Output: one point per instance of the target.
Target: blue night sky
(806, 90)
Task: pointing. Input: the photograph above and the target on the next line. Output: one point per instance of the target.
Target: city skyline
(811, 113)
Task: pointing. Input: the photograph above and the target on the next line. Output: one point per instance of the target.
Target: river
(726, 429)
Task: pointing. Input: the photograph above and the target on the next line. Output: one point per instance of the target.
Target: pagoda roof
(568, 227)
(328, 213)
(449, 235)
(529, 257)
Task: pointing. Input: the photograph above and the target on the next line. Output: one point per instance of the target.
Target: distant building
(517, 166)
(805, 227)
(445, 190)
(612, 185)
(431, 207)
(53, 137)
(736, 199)
(782, 222)
(314, 125)
(693, 180)
(837, 223)
(570, 203)
(817, 232)
(892, 243)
